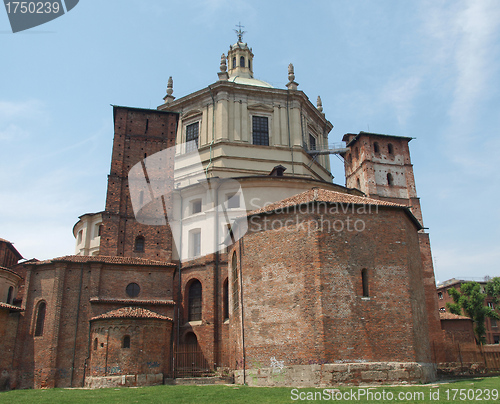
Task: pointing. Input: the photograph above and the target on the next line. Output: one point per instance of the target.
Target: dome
(249, 81)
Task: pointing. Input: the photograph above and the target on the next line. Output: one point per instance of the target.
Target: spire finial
(291, 75)
(170, 89)
(223, 66)
(223, 75)
(239, 32)
(292, 85)
(319, 104)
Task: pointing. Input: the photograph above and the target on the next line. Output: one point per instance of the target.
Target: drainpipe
(179, 293)
(85, 364)
(242, 316)
(288, 124)
(213, 132)
(76, 325)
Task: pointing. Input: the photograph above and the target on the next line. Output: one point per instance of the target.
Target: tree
(492, 288)
(471, 301)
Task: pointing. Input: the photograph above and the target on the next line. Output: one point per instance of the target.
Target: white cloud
(400, 94)
(18, 118)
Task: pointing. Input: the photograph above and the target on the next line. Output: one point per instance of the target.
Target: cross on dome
(239, 32)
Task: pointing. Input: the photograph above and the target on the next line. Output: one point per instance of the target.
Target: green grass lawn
(465, 390)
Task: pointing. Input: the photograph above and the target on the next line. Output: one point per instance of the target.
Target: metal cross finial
(239, 32)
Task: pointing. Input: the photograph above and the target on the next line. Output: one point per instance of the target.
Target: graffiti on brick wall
(109, 370)
(153, 365)
(277, 365)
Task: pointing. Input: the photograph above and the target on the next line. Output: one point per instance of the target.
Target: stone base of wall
(331, 374)
(460, 369)
(124, 381)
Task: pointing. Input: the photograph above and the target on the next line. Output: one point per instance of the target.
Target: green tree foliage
(471, 301)
(492, 288)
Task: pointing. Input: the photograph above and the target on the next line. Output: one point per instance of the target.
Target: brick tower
(139, 133)
(380, 166)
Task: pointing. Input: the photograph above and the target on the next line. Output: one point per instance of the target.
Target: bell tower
(380, 166)
(240, 57)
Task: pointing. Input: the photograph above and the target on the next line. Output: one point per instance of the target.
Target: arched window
(234, 272)
(242, 61)
(225, 298)
(390, 148)
(358, 184)
(249, 64)
(139, 244)
(194, 301)
(9, 295)
(40, 319)
(126, 342)
(376, 147)
(364, 281)
(390, 179)
(95, 344)
(234, 62)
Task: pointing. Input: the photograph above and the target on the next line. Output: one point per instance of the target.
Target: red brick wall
(132, 143)
(302, 292)
(149, 352)
(47, 360)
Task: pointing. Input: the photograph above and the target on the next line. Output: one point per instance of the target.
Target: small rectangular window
(196, 243)
(312, 142)
(440, 295)
(260, 130)
(195, 206)
(491, 305)
(192, 136)
(493, 323)
(233, 201)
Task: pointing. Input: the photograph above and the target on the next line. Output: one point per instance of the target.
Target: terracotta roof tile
(321, 195)
(10, 307)
(451, 316)
(104, 259)
(133, 301)
(131, 312)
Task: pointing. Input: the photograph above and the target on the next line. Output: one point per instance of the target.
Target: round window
(133, 289)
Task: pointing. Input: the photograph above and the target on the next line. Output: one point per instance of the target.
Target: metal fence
(466, 354)
(191, 361)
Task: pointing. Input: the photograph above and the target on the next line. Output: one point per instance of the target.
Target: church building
(226, 249)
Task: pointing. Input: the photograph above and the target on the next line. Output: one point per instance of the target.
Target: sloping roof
(11, 271)
(131, 312)
(344, 138)
(13, 249)
(10, 307)
(323, 195)
(451, 316)
(104, 259)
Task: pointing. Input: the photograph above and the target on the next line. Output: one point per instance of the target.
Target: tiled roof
(321, 195)
(11, 271)
(131, 312)
(10, 307)
(104, 259)
(11, 246)
(451, 316)
(133, 301)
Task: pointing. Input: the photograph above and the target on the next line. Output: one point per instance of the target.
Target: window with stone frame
(312, 142)
(192, 132)
(260, 130)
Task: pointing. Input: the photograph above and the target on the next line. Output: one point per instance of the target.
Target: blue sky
(424, 69)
